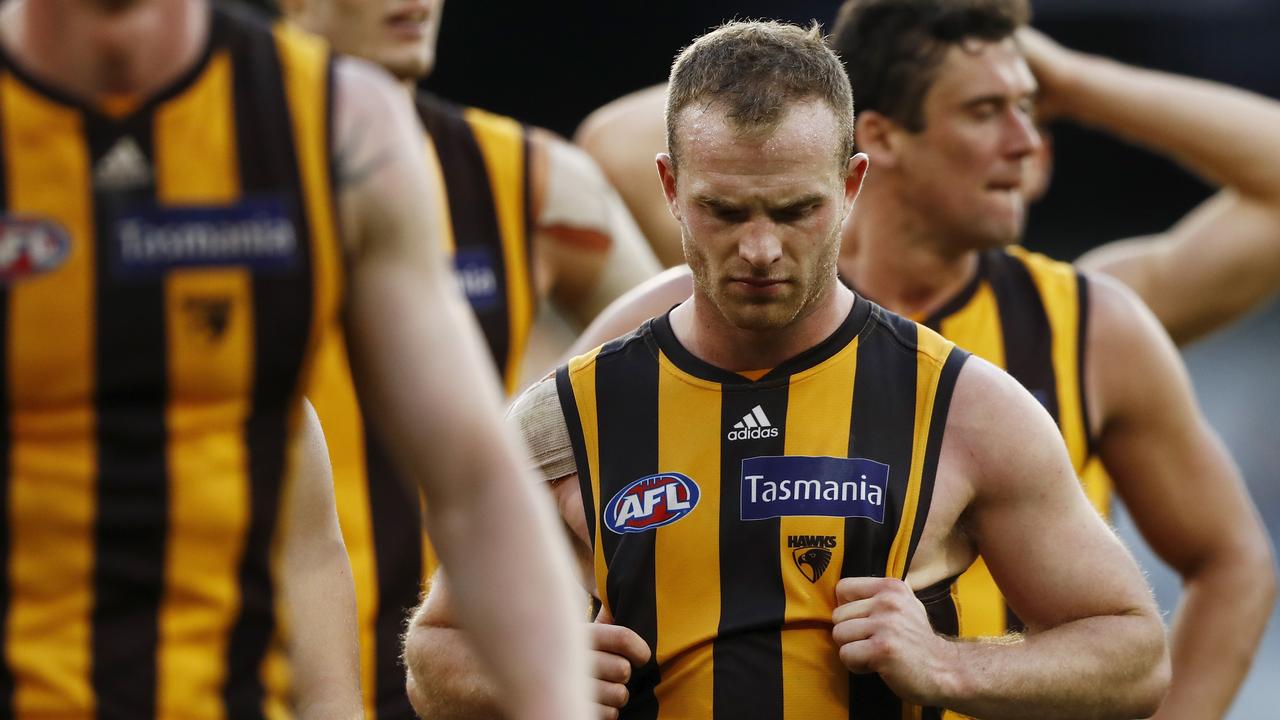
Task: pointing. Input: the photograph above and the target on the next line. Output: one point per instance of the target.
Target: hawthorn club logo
(812, 554)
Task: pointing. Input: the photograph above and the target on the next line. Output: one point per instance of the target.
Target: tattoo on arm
(358, 157)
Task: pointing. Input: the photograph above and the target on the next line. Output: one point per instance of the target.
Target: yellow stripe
(304, 60)
(210, 381)
(582, 377)
(931, 353)
(52, 488)
(819, 411)
(976, 327)
(686, 565)
(501, 141)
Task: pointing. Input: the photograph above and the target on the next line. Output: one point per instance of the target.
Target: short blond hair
(755, 70)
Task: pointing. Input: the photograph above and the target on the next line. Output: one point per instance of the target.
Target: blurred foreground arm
(317, 590)
(426, 381)
(1222, 259)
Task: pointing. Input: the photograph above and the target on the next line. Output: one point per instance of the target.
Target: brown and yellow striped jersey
(723, 511)
(1025, 313)
(165, 276)
(483, 160)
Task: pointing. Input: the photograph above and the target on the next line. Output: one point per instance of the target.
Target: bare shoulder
(638, 115)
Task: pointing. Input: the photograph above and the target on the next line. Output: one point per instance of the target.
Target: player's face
(399, 35)
(760, 214)
(966, 172)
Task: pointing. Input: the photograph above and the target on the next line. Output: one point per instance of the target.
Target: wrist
(953, 677)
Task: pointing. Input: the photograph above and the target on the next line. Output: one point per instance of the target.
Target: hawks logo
(651, 502)
(812, 554)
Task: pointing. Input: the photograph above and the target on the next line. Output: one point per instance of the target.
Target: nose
(760, 245)
(1021, 138)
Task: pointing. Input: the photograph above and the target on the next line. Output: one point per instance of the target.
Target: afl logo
(30, 246)
(651, 502)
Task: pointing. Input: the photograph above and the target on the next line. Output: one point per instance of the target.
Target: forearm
(1215, 635)
(445, 680)
(525, 630)
(1101, 667)
(1229, 136)
(323, 650)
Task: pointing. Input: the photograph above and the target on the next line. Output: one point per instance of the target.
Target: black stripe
(1082, 347)
(748, 646)
(882, 429)
(474, 215)
(131, 395)
(569, 406)
(282, 307)
(6, 676)
(962, 298)
(397, 545)
(1024, 324)
(933, 447)
(627, 406)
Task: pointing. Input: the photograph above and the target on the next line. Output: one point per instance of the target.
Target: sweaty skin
(966, 169)
(768, 210)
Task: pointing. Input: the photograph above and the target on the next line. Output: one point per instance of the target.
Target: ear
(879, 137)
(855, 174)
(667, 173)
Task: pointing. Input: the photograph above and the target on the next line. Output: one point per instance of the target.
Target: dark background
(552, 63)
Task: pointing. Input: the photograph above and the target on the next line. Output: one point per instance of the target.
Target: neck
(704, 331)
(95, 51)
(890, 255)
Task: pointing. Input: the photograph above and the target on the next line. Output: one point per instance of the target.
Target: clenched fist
(618, 650)
(880, 627)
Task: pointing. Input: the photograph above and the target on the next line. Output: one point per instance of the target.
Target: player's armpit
(319, 598)
(1095, 645)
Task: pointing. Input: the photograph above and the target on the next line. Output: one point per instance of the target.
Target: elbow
(419, 672)
(1154, 672)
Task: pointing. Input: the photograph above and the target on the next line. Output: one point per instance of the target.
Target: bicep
(586, 238)
(1040, 538)
(1180, 485)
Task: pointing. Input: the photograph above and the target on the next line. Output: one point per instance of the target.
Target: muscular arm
(1095, 645)
(424, 380)
(1223, 258)
(587, 248)
(444, 680)
(1186, 496)
(318, 594)
(623, 137)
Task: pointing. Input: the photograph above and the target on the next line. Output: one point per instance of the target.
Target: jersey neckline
(956, 302)
(851, 327)
(215, 30)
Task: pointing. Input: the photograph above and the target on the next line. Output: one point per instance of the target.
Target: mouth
(410, 19)
(758, 286)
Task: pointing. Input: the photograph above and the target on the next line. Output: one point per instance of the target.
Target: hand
(618, 649)
(882, 628)
(1053, 66)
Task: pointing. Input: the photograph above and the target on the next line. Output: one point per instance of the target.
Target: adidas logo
(123, 167)
(753, 426)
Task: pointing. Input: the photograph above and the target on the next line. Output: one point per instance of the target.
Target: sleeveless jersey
(165, 278)
(1025, 313)
(723, 511)
(483, 163)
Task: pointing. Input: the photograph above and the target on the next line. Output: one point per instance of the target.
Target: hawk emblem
(812, 562)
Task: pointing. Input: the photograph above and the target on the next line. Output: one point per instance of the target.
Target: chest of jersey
(724, 513)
